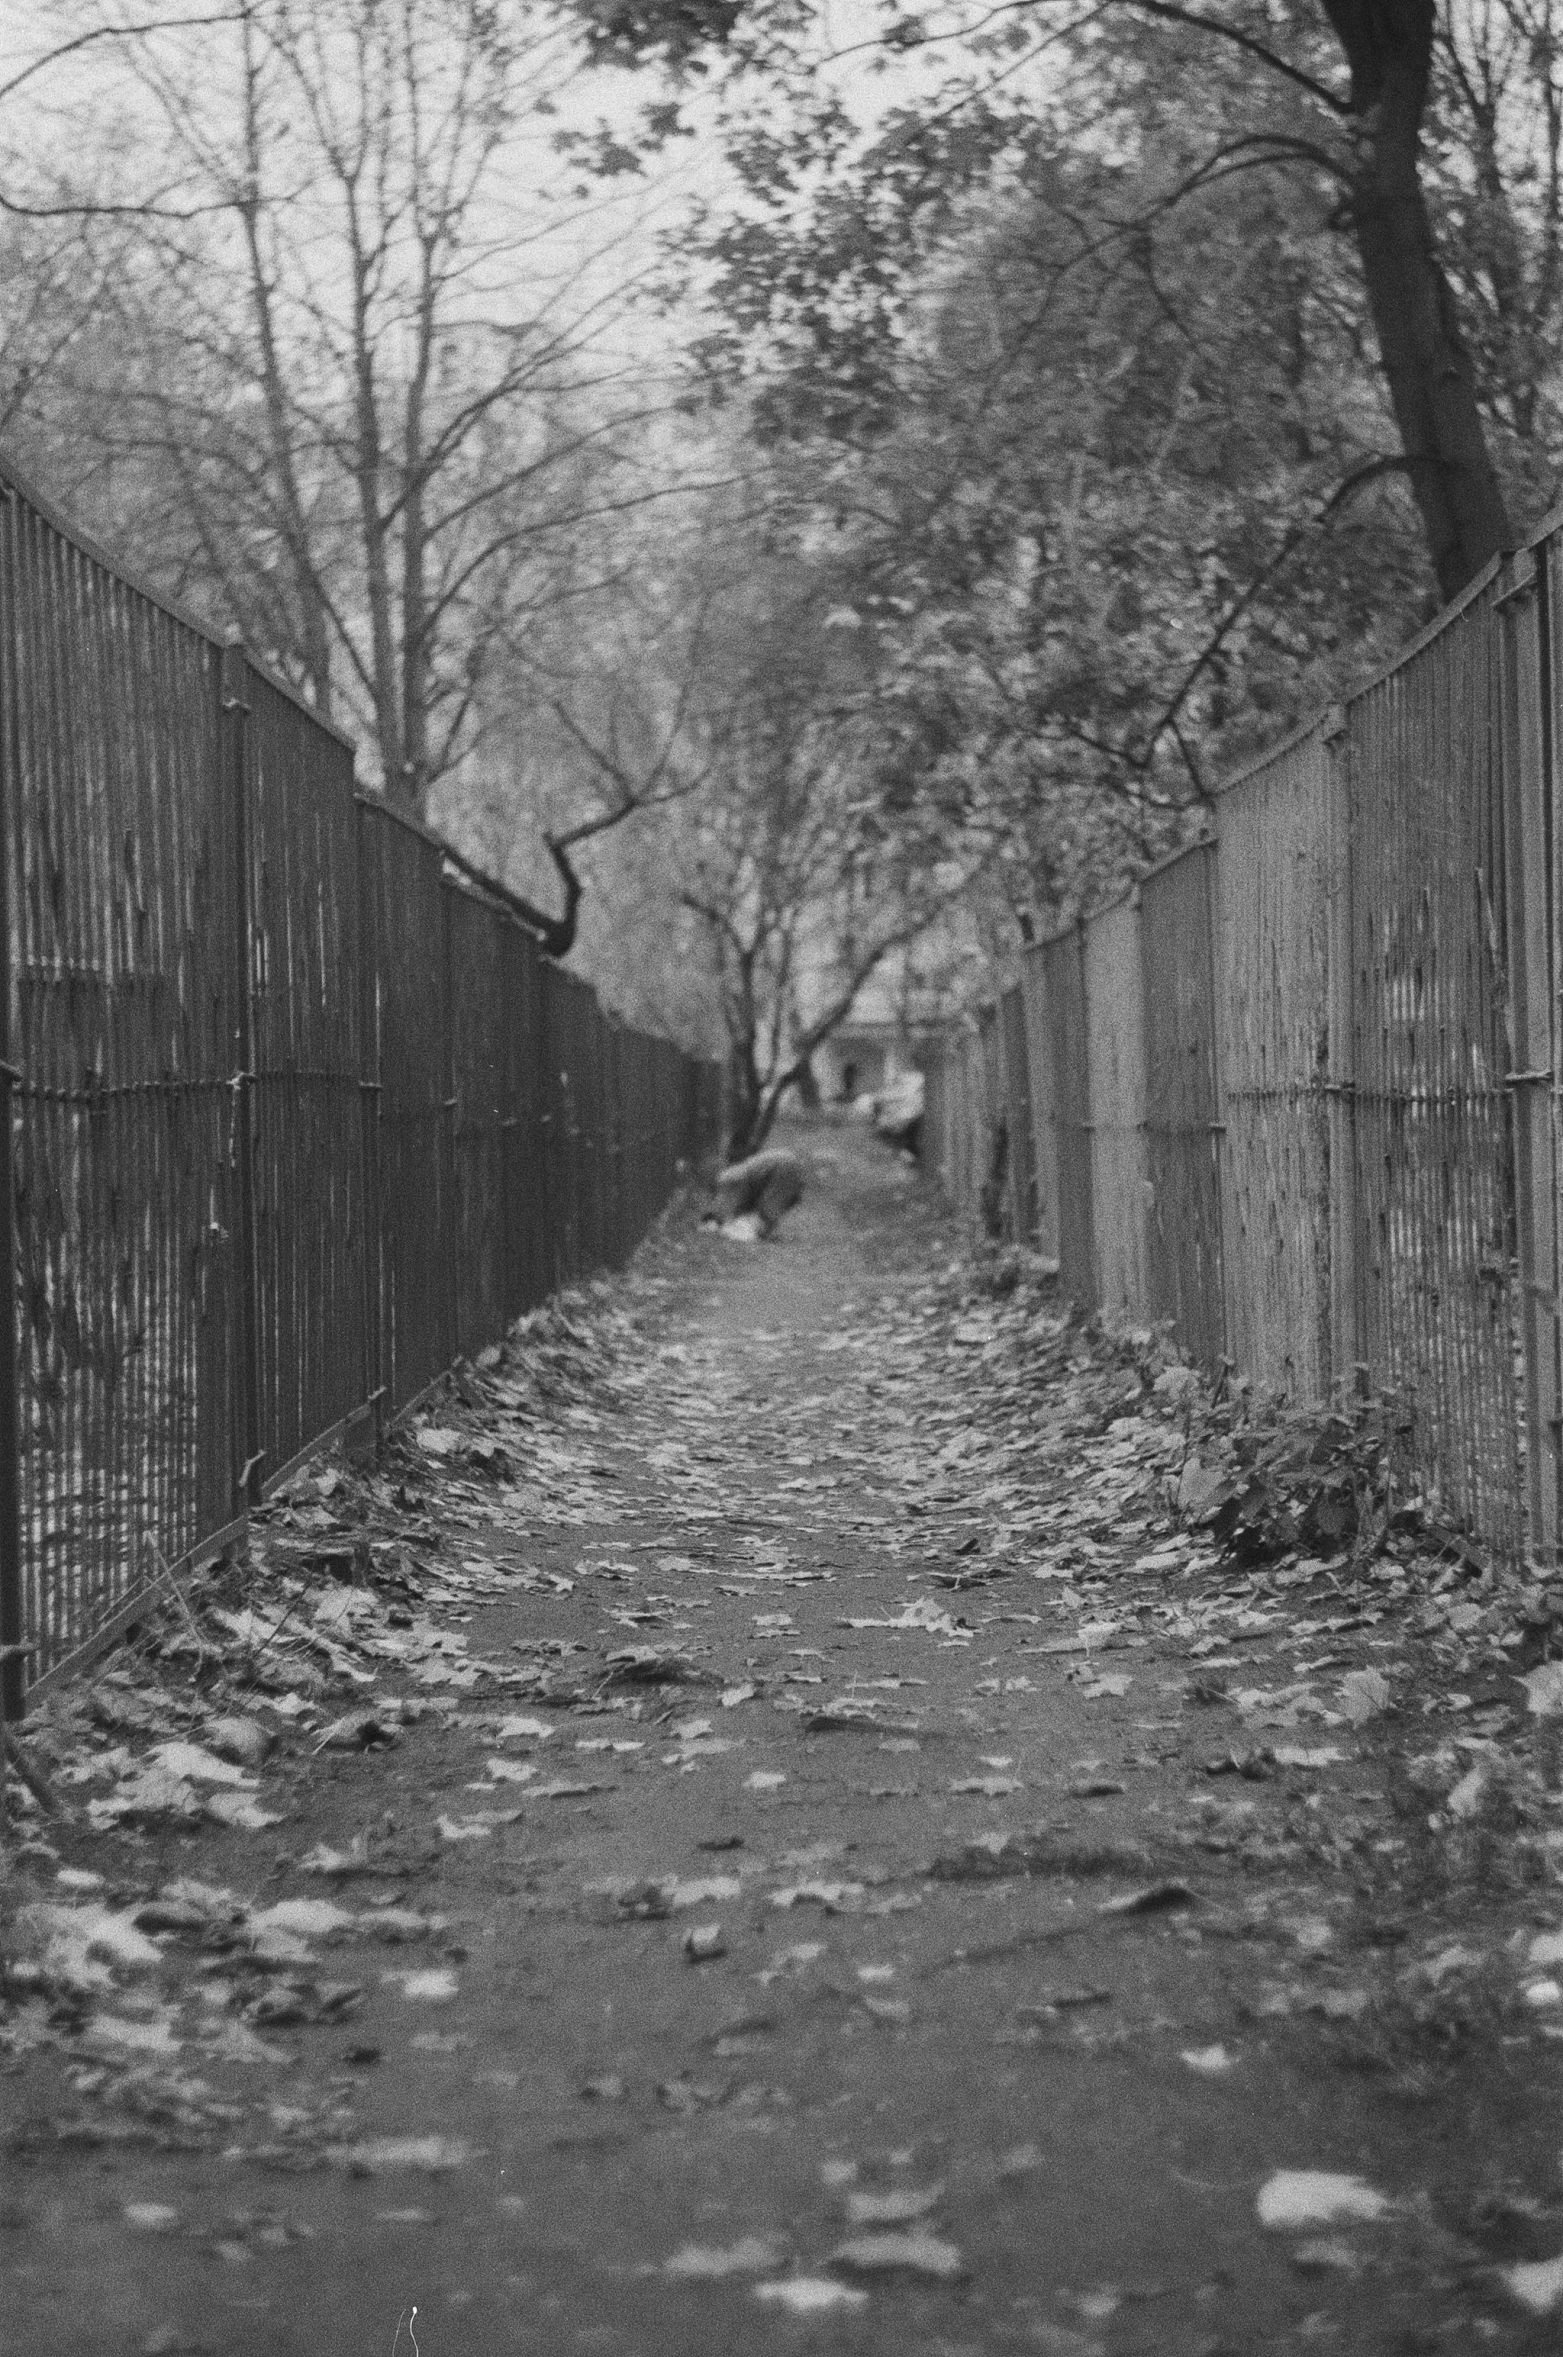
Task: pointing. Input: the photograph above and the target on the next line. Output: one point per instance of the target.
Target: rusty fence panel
(291, 1117)
(121, 1028)
(1116, 1013)
(1434, 1219)
(1182, 1122)
(304, 1116)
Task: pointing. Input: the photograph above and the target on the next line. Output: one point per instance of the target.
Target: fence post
(369, 1091)
(448, 1110)
(1216, 1286)
(236, 801)
(1340, 1061)
(1530, 1079)
(13, 1634)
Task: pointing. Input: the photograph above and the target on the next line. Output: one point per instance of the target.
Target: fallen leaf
(1157, 1898)
(239, 1813)
(311, 1919)
(147, 2038)
(150, 2217)
(810, 2295)
(1326, 2255)
(1537, 2285)
(702, 1892)
(332, 1863)
(752, 2254)
(378, 2156)
(194, 1765)
(1364, 1694)
(239, 1739)
(892, 2209)
(834, 1897)
(82, 1944)
(1295, 2198)
(921, 1613)
(1544, 1690)
(905, 2254)
(435, 1986)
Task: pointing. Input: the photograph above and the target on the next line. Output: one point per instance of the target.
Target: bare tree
(804, 889)
(370, 363)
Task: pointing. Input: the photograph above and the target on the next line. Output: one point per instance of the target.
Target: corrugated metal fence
(295, 1115)
(1298, 1093)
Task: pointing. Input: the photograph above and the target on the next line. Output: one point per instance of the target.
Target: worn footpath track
(783, 1900)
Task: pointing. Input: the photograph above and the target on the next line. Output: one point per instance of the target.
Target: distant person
(898, 1113)
(763, 1188)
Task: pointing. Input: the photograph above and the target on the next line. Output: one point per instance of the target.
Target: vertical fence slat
(1184, 1276)
(1044, 1110)
(1342, 1355)
(1016, 1062)
(1434, 1163)
(1115, 996)
(246, 1322)
(1527, 869)
(1071, 1039)
(1272, 938)
(14, 1632)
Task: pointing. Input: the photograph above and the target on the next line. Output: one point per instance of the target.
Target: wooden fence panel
(1116, 1012)
(1182, 1126)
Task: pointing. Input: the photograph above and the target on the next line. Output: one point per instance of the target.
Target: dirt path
(1004, 2010)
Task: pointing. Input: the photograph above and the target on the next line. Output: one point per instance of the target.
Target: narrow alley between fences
(790, 1809)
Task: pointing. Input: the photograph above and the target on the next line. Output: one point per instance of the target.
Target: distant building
(900, 1005)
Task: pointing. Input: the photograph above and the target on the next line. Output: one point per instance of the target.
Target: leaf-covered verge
(1260, 1521)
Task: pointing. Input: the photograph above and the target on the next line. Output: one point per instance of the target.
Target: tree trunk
(1432, 384)
(745, 1101)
